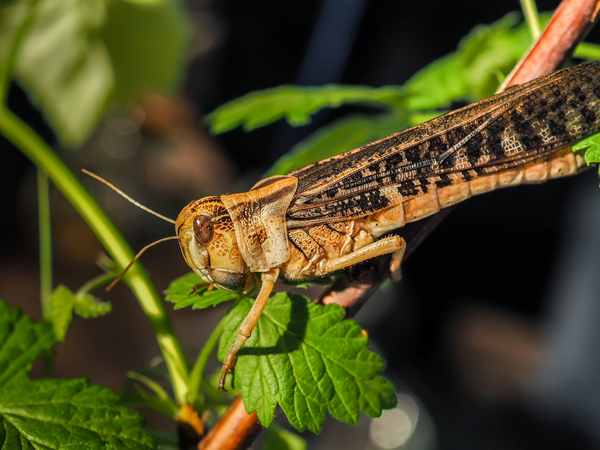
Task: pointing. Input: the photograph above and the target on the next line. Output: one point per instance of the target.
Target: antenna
(140, 253)
(127, 197)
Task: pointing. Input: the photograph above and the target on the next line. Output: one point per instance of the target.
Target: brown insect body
(330, 214)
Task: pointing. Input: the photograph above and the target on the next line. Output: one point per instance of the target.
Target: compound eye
(203, 229)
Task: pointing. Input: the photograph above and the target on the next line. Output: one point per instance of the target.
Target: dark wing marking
(504, 131)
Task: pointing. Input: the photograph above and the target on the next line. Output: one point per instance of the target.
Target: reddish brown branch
(569, 25)
(235, 430)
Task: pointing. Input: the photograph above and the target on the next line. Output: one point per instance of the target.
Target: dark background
(466, 331)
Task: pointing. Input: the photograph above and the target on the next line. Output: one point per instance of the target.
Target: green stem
(532, 17)
(45, 231)
(7, 70)
(137, 279)
(197, 374)
(95, 283)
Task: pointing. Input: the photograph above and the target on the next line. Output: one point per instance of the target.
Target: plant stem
(137, 279)
(532, 17)
(197, 374)
(45, 232)
(95, 283)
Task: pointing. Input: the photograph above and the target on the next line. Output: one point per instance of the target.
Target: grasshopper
(332, 214)
(338, 212)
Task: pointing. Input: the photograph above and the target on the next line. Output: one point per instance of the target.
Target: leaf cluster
(53, 414)
(303, 357)
(474, 71)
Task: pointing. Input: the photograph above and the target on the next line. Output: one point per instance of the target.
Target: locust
(341, 211)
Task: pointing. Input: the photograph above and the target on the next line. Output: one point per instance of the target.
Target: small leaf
(89, 307)
(308, 359)
(21, 342)
(62, 302)
(592, 144)
(343, 135)
(296, 104)
(68, 414)
(278, 438)
(179, 290)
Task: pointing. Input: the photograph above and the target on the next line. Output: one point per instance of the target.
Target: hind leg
(390, 244)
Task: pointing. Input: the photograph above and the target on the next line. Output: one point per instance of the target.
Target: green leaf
(78, 57)
(68, 414)
(21, 342)
(592, 144)
(62, 302)
(308, 359)
(296, 104)
(278, 438)
(343, 135)
(475, 71)
(89, 307)
(179, 290)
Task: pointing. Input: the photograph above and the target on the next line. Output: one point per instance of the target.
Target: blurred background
(491, 336)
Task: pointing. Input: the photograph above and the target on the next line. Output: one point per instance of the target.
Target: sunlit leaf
(296, 104)
(592, 146)
(89, 307)
(22, 341)
(475, 71)
(64, 301)
(68, 414)
(180, 293)
(309, 360)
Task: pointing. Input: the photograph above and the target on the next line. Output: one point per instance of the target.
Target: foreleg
(268, 281)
